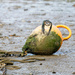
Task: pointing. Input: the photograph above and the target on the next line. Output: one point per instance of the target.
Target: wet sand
(18, 18)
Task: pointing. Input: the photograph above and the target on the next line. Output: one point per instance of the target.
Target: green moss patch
(48, 45)
(30, 44)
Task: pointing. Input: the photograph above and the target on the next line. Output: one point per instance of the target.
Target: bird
(45, 39)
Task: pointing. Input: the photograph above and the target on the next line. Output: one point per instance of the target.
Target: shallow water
(21, 17)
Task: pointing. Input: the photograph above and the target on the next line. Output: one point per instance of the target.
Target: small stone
(9, 23)
(40, 63)
(54, 72)
(29, 21)
(12, 35)
(17, 7)
(25, 9)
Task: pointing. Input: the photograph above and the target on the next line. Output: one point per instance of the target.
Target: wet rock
(40, 63)
(54, 72)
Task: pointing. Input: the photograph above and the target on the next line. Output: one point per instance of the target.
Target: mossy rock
(43, 44)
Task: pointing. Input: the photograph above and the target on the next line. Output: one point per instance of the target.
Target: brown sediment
(14, 35)
(28, 60)
(6, 61)
(13, 67)
(34, 58)
(11, 53)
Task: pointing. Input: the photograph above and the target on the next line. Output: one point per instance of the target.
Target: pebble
(40, 63)
(54, 72)
(25, 9)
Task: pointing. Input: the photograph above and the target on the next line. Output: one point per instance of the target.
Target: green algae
(50, 44)
(47, 46)
(30, 44)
